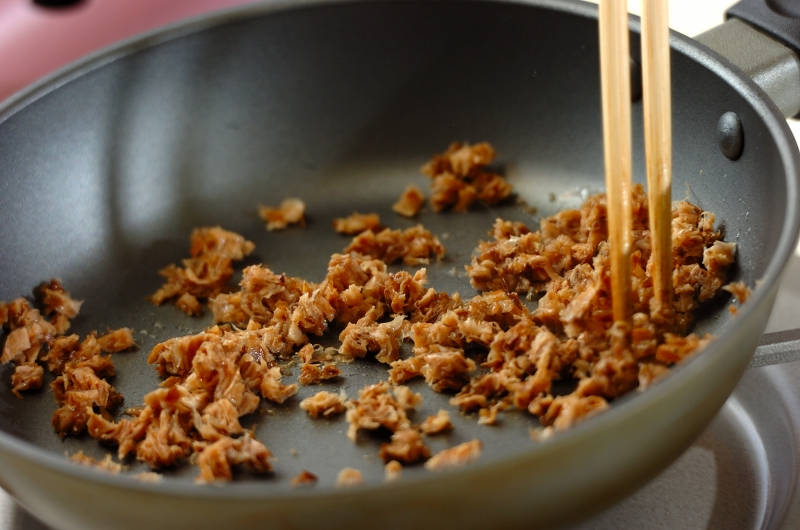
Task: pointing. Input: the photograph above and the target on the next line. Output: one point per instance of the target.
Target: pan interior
(102, 179)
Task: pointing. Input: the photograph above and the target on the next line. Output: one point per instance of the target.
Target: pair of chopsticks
(616, 99)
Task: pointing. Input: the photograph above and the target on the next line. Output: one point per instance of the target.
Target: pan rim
(745, 87)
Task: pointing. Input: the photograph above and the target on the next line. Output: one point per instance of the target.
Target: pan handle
(762, 37)
(778, 18)
(777, 348)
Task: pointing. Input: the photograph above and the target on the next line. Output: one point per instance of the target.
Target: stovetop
(738, 474)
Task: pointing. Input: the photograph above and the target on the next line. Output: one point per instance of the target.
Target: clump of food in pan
(490, 352)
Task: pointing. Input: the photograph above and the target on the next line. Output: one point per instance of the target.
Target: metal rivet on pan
(636, 81)
(730, 135)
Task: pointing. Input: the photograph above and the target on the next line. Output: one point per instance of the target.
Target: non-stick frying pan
(106, 167)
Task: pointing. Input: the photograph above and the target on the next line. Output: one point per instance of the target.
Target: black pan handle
(777, 18)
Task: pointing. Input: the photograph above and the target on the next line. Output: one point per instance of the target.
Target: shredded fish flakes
(490, 353)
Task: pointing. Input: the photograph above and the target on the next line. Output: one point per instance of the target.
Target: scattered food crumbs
(267, 327)
(406, 446)
(540, 435)
(149, 476)
(356, 223)
(290, 212)
(406, 398)
(26, 376)
(458, 178)
(316, 373)
(740, 291)
(488, 415)
(324, 404)
(206, 273)
(190, 305)
(375, 408)
(393, 470)
(457, 456)
(304, 478)
(116, 341)
(217, 457)
(293, 451)
(437, 424)
(414, 246)
(106, 464)
(349, 477)
(410, 201)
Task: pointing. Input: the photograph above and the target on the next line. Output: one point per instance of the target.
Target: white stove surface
(22, 64)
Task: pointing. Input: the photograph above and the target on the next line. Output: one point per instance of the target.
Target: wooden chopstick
(658, 149)
(616, 98)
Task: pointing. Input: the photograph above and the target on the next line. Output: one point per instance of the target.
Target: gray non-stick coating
(103, 178)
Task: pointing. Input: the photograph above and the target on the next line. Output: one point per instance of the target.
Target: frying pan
(106, 167)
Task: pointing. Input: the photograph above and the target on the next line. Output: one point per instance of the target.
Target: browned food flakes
(406, 398)
(304, 478)
(740, 291)
(461, 160)
(406, 447)
(366, 335)
(215, 460)
(375, 408)
(349, 477)
(27, 376)
(393, 470)
(410, 201)
(488, 415)
(215, 377)
(675, 348)
(436, 424)
(459, 179)
(566, 411)
(149, 476)
(415, 245)
(77, 391)
(56, 299)
(190, 305)
(315, 373)
(265, 298)
(314, 353)
(290, 212)
(324, 404)
(28, 333)
(567, 257)
(356, 223)
(649, 373)
(457, 456)
(106, 464)
(117, 340)
(206, 273)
